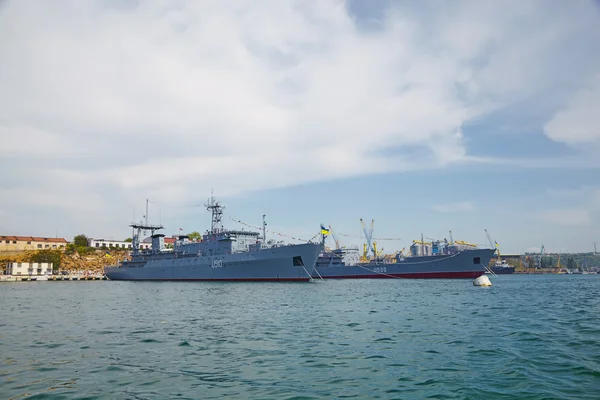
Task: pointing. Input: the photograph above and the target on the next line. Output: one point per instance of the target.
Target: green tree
(49, 256)
(571, 264)
(80, 240)
(195, 236)
(70, 248)
(129, 240)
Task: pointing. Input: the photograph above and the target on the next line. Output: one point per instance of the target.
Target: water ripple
(529, 337)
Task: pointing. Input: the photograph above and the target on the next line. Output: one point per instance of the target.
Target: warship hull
(294, 263)
(468, 264)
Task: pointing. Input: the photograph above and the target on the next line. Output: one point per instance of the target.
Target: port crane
(539, 260)
(335, 238)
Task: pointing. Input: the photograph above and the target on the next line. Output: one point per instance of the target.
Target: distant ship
(436, 261)
(221, 255)
(502, 268)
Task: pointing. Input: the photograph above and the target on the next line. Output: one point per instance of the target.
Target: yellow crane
(364, 254)
(558, 261)
(421, 242)
(462, 242)
(377, 253)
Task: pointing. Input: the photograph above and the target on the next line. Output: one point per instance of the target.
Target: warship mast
(216, 209)
(135, 243)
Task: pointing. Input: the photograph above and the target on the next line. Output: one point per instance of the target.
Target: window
(7, 241)
(39, 246)
(47, 246)
(476, 260)
(97, 244)
(53, 246)
(14, 242)
(28, 242)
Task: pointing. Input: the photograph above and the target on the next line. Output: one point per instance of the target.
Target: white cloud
(167, 99)
(567, 217)
(462, 206)
(579, 121)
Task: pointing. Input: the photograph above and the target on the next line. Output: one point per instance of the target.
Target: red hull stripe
(224, 280)
(421, 275)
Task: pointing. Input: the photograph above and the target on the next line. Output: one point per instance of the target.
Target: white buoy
(482, 281)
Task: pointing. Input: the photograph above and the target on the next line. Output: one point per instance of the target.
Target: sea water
(526, 337)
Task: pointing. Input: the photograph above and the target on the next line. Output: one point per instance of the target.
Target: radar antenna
(216, 209)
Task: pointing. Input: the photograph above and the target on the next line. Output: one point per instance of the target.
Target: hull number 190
(217, 263)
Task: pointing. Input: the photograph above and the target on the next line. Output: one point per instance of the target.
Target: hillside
(84, 260)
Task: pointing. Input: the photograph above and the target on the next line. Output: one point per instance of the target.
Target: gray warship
(221, 255)
(425, 260)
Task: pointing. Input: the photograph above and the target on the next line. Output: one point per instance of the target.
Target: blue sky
(424, 116)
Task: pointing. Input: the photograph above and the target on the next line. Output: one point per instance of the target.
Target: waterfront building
(22, 243)
(169, 242)
(115, 244)
(121, 244)
(28, 268)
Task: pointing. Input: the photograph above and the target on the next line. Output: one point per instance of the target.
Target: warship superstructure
(221, 255)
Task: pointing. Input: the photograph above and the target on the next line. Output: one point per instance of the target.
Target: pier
(51, 278)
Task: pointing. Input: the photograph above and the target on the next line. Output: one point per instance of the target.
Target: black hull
(503, 270)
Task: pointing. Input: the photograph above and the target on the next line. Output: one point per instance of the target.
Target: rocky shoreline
(93, 262)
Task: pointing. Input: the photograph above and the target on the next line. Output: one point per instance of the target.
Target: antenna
(264, 230)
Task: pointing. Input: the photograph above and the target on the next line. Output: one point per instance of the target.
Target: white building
(29, 269)
(112, 244)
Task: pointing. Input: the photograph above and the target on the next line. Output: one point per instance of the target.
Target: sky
(425, 117)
